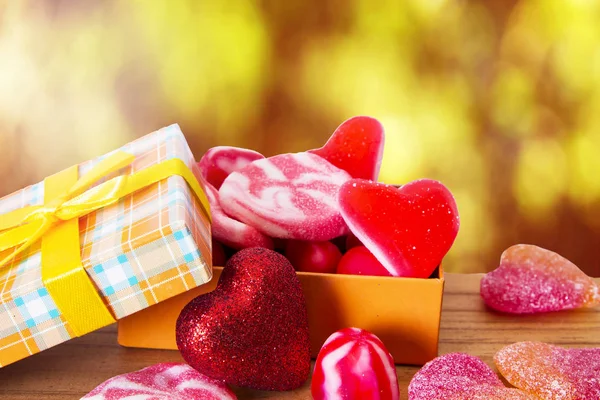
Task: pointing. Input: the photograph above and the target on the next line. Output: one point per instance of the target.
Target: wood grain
(71, 370)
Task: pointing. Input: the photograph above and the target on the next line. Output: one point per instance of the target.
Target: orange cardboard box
(403, 312)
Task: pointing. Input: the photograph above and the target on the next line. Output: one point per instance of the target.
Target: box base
(403, 312)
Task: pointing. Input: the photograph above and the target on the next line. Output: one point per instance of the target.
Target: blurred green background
(497, 99)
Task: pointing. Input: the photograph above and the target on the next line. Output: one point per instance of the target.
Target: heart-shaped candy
(551, 372)
(459, 376)
(409, 230)
(531, 279)
(218, 162)
(252, 330)
(288, 196)
(356, 146)
(166, 381)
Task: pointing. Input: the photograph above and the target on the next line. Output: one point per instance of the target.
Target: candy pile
(302, 204)
(166, 381)
(531, 280)
(354, 364)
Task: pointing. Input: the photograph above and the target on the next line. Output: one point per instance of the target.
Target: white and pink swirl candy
(288, 196)
(354, 364)
(166, 381)
(229, 231)
(218, 162)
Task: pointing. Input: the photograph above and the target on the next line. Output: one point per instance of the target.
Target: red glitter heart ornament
(409, 230)
(252, 330)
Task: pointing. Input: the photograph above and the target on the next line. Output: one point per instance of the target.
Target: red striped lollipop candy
(354, 364)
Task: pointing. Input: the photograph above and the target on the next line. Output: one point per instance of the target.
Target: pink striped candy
(354, 364)
(230, 232)
(288, 196)
(166, 381)
(218, 162)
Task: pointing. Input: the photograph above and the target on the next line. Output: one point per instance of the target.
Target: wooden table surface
(74, 368)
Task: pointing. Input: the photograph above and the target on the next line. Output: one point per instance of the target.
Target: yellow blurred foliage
(499, 100)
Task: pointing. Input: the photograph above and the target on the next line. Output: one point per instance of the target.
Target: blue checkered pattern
(36, 307)
(115, 274)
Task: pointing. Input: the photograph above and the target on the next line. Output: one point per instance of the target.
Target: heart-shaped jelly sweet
(551, 372)
(252, 330)
(356, 146)
(459, 376)
(531, 279)
(409, 230)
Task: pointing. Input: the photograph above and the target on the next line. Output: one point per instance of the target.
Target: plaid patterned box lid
(148, 247)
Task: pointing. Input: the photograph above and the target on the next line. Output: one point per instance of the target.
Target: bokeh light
(497, 99)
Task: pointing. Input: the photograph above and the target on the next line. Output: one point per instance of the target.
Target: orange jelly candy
(551, 372)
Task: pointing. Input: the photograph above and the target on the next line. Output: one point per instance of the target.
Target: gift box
(100, 241)
(403, 312)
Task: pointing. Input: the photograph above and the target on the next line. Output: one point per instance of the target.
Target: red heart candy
(356, 146)
(252, 330)
(409, 230)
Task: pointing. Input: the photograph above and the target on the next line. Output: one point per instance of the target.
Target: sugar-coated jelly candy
(229, 231)
(352, 241)
(459, 376)
(166, 381)
(356, 146)
(551, 372)
(354, 364)
(408, 229)
(360, 261)
(531, 279)
(320, 257)
(289, 196)
(218, 162)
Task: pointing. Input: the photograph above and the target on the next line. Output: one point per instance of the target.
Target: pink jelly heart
(166, 381)
(354, 364)
(459, 376)
(229, 231)
(409, 230)
(356, 146)
(290, 196)
(551, 372)
(322, 257)
(252, 330)
(360, 261)
(218, 162)
(531, 280)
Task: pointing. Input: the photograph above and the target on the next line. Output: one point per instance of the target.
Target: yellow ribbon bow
(66, 198)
